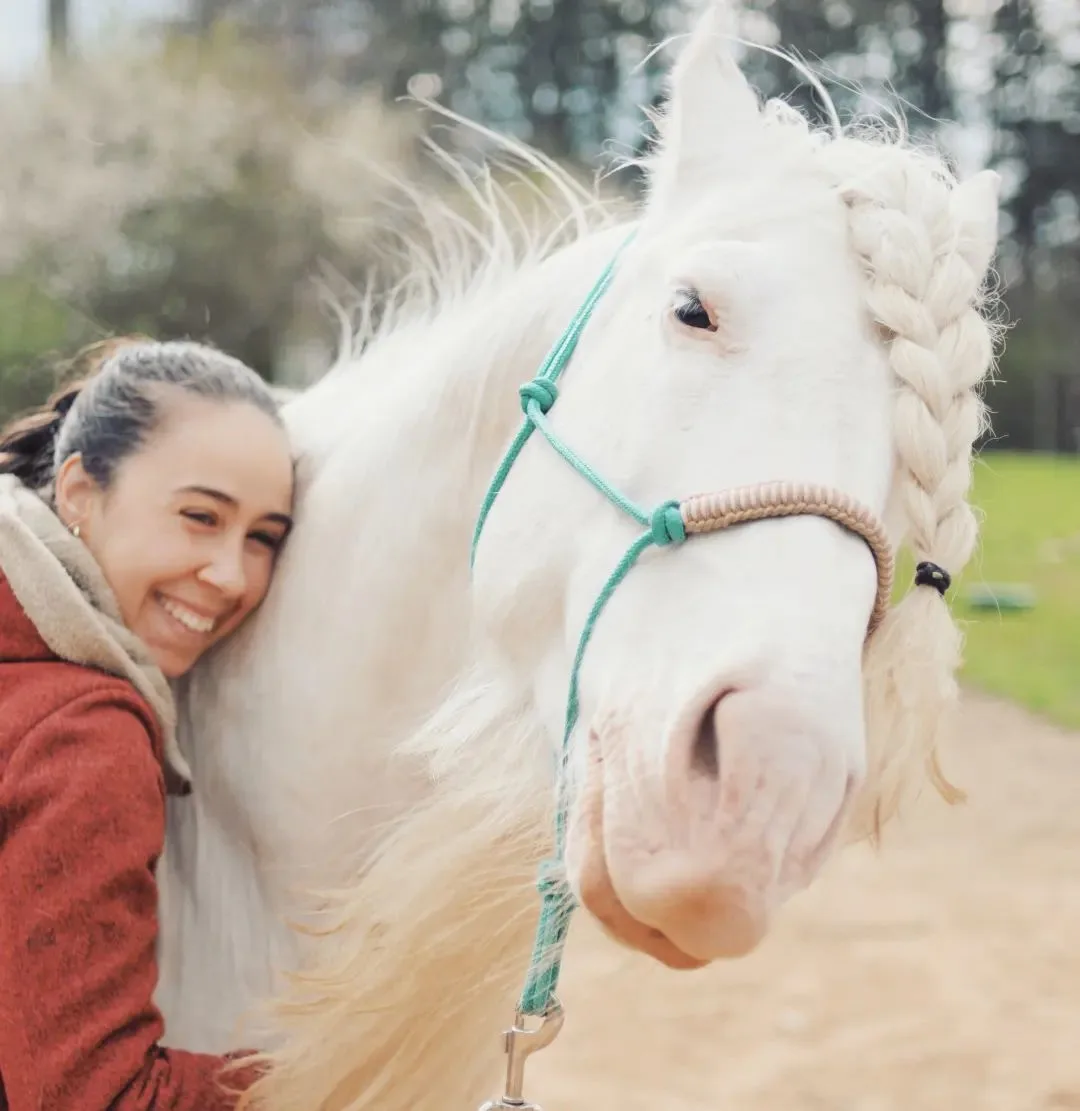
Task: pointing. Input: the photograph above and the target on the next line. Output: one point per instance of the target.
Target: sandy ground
(940, 974)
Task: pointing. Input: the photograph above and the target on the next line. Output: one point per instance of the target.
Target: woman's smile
(190, 620)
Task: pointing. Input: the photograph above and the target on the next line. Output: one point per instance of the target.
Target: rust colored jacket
(82, 825)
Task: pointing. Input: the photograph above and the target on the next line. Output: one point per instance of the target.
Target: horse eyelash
(691, 312)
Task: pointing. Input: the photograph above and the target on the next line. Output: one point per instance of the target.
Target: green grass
(1030, 506)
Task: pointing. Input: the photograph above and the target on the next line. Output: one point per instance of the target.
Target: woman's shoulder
(46, 701)
(49, 683)
(19, 639)
(42, 694)
(84, 744)
(32, 691)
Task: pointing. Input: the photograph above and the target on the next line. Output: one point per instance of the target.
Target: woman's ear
(75, 492)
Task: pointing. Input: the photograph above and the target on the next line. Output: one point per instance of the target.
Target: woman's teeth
(187, 618)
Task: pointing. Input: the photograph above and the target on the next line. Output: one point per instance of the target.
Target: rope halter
(668, 525)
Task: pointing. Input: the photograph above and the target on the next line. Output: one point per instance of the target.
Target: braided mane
(921, 238)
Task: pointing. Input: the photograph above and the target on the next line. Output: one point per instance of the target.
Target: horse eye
(690, 311)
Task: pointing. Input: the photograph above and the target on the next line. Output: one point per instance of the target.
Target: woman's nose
(226, 572)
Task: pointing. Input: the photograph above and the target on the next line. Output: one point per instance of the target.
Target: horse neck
(455, 410)
(399, 448)
(396, 449)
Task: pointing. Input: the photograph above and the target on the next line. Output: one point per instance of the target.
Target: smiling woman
(141, 514)
(187, 533)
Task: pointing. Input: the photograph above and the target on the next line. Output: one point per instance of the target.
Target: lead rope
(665, 526)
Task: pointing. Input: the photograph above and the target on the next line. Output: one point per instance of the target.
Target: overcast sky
(22, 25)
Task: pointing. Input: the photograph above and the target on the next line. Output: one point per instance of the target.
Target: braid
(925, 244)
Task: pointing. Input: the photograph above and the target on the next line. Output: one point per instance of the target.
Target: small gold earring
(75, 531)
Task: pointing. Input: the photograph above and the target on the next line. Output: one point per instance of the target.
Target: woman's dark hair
(113, 406)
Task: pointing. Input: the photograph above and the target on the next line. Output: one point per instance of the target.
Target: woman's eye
(200, 517)
(690, 311)
(268, 540)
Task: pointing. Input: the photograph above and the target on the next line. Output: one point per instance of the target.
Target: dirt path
(941, 975)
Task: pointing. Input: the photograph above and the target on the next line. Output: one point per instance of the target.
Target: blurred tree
(558, 73)
(188, 193)
(567, 75)
(58, 16)
(869, 53)
(1035, 113)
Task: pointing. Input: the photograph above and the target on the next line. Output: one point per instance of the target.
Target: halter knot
(541, 390)
(667, 525)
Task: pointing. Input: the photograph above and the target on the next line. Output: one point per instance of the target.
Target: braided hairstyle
(925, 242)
(112, 404)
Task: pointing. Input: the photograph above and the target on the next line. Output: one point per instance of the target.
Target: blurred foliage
(187, 190)
(33, 328)
(1029, 549)
(1030, 537)
(199, 186)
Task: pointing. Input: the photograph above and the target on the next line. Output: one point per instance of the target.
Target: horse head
(794, 312)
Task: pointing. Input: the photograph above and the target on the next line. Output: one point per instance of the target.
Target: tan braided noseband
(713, 512)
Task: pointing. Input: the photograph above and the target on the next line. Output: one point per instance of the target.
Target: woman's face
(188, 531)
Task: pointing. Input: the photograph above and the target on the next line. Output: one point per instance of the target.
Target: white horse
(793, 307)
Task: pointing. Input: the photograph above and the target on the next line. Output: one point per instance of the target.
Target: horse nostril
(705, 752)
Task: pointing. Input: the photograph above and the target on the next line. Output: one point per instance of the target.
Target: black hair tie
(63, 404)
(930, 574)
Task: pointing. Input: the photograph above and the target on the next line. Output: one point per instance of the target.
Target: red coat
(82, 825)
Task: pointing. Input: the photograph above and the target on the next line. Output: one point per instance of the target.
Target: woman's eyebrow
(227, 499)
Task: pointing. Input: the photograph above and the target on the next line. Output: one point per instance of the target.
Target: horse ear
(712, 119)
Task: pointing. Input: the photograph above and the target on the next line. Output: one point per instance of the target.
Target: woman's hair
(113, 405)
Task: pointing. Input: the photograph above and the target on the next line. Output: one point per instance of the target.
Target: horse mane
(444, 910)
(483, 827)
(467, 235)
(931, 293)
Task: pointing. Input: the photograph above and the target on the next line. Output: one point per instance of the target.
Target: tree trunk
(59, 17)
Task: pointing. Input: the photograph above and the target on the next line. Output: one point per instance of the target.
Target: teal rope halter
(664, 526)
